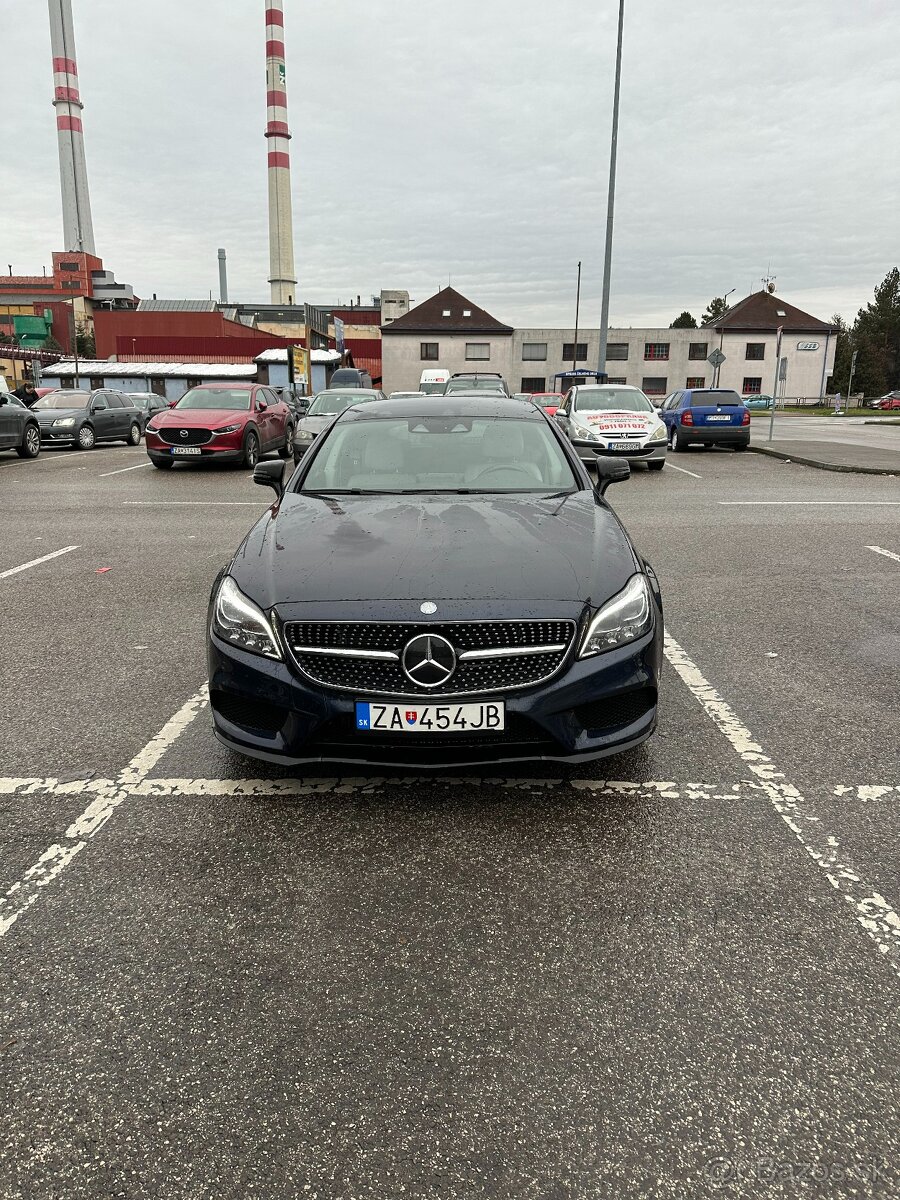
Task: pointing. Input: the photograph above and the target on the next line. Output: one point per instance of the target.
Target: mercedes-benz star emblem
(183, 432)
(428, 608)
(428, 660)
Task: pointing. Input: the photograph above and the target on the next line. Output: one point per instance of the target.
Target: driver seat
(502, 454)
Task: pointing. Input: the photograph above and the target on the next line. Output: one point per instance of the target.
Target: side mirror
(611, 471)
(171, 403)
(270, 474)
(261, 406)
(98, 406)
(303, 405)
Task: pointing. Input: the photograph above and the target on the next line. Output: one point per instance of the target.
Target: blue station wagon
(707, 417)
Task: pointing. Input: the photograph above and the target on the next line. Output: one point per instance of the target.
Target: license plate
(624, 445)
(429, 718)
(718, 419)
(185, 449)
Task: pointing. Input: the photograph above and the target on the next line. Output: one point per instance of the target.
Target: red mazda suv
(221, 422)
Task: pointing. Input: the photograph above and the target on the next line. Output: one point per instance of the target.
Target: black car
(19, 428)
(70, 417)
(149, 404)
(439, 583)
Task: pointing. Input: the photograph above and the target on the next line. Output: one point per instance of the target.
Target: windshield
(141, 400)
(230, 398)
(326, 404)
(439, 454)
(433, 389)
(612, 400)
(474, 385)
(73, 399)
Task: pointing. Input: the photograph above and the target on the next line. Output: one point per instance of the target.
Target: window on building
(752, 385)
(478, 351)
(71, 283)
(617, 351)
(623, 381)
(695, 381)
(67, 383)
(533, 383)
(756, 350)
(68, 266)
(446, 312)
(655, 385)
(656, 351)
(429, 351)
(697, 351)
(534, 351)
(578, 353)
(192, 383)
(96, 382)
(467, 312)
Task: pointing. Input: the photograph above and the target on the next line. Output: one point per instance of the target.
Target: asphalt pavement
(670, 974)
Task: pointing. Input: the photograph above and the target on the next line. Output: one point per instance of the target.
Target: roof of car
(460, 404)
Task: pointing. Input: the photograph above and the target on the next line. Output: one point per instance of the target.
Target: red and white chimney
(281, 226)
(78, 228)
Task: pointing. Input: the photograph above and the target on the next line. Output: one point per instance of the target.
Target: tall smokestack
(281, 226)
(223, 278)
(78, 228)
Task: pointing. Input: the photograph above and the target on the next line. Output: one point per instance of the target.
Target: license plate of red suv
(185, 449)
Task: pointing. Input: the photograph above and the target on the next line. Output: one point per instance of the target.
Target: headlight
(64, 422)
(226, 429)
(304, 435)
(658, 433)
(151, 428)
(586, 434)
(239, 621)
(623, 619)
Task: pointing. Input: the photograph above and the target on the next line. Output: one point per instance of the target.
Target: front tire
(678, 444)
(251, 450)
(287, 450)
(31, 443)
(86, 438)
(134, 435)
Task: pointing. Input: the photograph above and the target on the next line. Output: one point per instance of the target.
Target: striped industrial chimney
(281, 225)
(76, 203)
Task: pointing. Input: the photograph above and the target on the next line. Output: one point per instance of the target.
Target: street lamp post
(722, 336)
(611, 199)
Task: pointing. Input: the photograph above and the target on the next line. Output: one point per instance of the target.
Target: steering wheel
(506, 467)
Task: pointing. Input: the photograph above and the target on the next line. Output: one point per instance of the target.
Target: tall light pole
(611, 200)
(577, 316)
(722, 335)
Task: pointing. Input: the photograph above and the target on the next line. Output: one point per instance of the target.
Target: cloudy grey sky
(469, 139)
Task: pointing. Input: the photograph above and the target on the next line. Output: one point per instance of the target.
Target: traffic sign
(716, 358)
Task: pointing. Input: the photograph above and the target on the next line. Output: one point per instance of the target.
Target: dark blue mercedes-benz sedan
(438, 584)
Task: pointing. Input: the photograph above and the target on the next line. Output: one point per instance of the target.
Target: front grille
(339, 738)
(616, 711)
(385, 677)
(260, 716)
(185, 437)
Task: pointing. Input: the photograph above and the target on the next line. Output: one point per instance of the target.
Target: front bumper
(595, 707)
(58, 437)
(220, 449)
(589, 452)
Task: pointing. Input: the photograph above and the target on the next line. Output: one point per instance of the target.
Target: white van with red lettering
(432, 382)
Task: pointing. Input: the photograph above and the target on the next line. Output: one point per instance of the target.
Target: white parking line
(877, 916)
(837, 503)
(671, 466)
(886, 553)
(225, 503)
(136, 467)
(36, 562)
(57, 857)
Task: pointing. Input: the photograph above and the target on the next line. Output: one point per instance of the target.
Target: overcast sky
(469, 140)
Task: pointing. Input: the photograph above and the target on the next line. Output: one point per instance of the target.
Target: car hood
(46, 416)
(314, 424)
(199, 418)
(473, 556)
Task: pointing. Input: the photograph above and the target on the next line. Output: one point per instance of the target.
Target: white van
(432, 382)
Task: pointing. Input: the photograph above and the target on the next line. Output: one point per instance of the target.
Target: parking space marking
(136, 467)
(189, 503)
(872, 910)
(837, 503)
(35, 562)
(672, 466)
(886, 553)
(25, 891)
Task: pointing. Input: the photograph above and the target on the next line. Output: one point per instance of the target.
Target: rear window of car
(711, 399)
